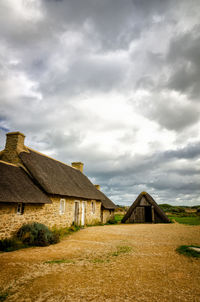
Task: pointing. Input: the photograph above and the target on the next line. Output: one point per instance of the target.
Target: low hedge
(37, 234)
(31, 234)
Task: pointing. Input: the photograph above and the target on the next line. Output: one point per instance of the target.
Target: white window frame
(93, 207)
(20, 208)
(62, 206)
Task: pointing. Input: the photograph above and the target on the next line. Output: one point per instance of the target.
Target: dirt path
(107, 263)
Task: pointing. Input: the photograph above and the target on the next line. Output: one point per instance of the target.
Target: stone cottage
(35, 187)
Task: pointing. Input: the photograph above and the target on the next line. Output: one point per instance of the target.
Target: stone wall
(48, 214)
(14, 145)
(107, 215)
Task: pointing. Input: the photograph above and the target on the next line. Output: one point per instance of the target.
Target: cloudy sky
(114, 84)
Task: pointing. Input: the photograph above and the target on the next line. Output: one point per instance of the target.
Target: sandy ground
(107, 263)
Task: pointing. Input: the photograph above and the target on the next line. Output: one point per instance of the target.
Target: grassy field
(195, 220)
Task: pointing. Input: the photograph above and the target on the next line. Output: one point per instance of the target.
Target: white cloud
(101, 82)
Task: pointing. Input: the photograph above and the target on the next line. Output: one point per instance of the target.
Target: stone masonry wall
(107, 215)
(48, 214)
(14, 145)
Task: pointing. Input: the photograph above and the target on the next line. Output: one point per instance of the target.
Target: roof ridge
(42, 154)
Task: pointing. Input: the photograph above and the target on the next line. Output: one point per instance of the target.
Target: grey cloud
(175, 184)
(153, 7)
(162, 174)
(184, 57)
(114, 24)
(85, 74)
(175, 117)
(145, 82)
(107, 18)
(170, 112)
(38, 51)
(188, 152)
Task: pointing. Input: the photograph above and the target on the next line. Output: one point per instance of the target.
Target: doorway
(83, 213)
(148, 214)
(76, 213)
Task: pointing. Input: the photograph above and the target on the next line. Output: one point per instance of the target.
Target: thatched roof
(57, 178)
(107, 203)
(151, 201)
(16, 186)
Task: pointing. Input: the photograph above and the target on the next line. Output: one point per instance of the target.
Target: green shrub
(165, 207)
(11, 244)
(118, 217)
(74, 228)
(172, 209)
(37, 234)
(111, 221)
(177, 210)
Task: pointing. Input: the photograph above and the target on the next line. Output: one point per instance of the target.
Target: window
(20, 208)
(93, 207)
(62, 206)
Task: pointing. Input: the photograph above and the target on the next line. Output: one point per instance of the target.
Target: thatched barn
(145, 210)
(35, 187)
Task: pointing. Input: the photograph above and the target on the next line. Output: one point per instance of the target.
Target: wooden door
(102, 215)
(139, 215)
(76, 213)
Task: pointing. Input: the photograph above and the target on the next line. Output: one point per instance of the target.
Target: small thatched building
(145, 210)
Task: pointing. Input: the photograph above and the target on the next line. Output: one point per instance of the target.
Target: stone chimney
(97, 187)
(78, 166)
(14, 145)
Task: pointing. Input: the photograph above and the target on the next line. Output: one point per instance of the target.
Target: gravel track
(113, 263)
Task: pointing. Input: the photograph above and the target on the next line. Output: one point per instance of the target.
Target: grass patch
(63, 232)
(184, 250)
(59, 261)
(118, 217)
(121, 250)
(190, 220)
(3, 296)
